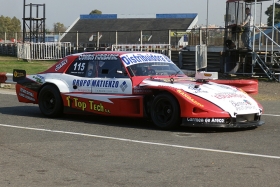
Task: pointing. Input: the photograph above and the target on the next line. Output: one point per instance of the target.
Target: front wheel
(165, 111)
(50, 102)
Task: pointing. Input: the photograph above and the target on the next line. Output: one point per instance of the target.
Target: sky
(67, 11)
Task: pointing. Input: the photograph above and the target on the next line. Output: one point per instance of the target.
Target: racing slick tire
(165, 112)
(50, 102)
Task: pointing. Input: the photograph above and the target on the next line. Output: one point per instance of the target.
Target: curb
(7, 86)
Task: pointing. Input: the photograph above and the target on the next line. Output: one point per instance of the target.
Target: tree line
(12, 28)
(9, 26)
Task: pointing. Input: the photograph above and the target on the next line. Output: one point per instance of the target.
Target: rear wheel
(50, 102)
(165, 111)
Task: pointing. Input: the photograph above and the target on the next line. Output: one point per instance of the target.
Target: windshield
(154, 68)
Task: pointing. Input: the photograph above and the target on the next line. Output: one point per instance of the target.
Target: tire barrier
(249, 86)
(3, 77)
(6, 78)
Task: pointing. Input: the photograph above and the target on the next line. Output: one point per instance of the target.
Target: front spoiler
(187, 123)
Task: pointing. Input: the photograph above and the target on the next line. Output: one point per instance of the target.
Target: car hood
(228, 98)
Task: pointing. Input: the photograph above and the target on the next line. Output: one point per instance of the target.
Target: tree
(269, 13)
(10, 26)
(95, 11)
(59, 27)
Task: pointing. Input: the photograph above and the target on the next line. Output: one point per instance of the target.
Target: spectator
(247, 29)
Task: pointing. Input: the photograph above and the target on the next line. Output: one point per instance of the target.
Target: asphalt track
(95, 151)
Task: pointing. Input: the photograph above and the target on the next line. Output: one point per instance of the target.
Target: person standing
(248, 27)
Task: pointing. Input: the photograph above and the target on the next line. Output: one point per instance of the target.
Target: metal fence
(157, 48)
(102, 39)
(43, 51)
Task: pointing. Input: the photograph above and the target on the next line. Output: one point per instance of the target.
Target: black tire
(50, 102)
(165, 112)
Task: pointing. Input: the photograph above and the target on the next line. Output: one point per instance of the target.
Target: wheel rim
(49, 101)
(163, 111)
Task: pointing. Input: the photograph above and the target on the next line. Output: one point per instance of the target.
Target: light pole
(207, 23)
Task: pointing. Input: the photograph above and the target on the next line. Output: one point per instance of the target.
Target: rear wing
(18, 75)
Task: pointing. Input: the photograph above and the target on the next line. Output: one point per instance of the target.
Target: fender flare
(61, 85)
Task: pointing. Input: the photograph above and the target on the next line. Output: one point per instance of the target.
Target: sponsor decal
(242, 105)
(227, 87)
(123, 86)
(229, 95)
(248, 102)
(189, 98)
(206, 120)
(90, 105)
(97, 83)
(83, 82)
(61, 64)
(39, 79)
(98, 57)
(130, 59)
(26, 94)
(105, 84)
(18, 75)
(196, 89)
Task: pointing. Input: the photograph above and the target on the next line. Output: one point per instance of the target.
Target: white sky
(67, 11)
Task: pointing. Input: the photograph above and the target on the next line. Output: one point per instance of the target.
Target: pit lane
(95, 151)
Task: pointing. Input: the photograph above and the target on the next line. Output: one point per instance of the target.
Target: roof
(128, 28)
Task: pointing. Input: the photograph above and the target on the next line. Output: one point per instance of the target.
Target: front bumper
(220, 122)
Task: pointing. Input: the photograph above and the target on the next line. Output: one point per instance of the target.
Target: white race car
(137, 85)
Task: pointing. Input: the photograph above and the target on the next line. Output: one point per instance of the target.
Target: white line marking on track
(270, 115)
(143, 142)
(7, 92)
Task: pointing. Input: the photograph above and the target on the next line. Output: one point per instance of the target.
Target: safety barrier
(3, 77)
(6, 78)
(249, 86)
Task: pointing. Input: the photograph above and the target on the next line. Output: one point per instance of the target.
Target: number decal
(83, 66)
(79, 66)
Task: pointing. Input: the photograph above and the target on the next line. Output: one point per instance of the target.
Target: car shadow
(127, 122)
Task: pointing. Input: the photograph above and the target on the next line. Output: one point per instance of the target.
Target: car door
(79, 75)
(112, 78)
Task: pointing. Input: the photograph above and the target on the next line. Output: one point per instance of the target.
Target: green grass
(7, 64)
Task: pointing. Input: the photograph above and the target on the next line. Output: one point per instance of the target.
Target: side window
(97, 68)
(92, 69)
(112, 69)
(78, 68)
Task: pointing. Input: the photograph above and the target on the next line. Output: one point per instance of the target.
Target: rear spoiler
(18, 75)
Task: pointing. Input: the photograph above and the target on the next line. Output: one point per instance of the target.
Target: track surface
(97, 151)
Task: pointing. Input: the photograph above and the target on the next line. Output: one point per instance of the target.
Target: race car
(136, 85)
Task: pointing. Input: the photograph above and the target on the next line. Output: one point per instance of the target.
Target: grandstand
(126, 29)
